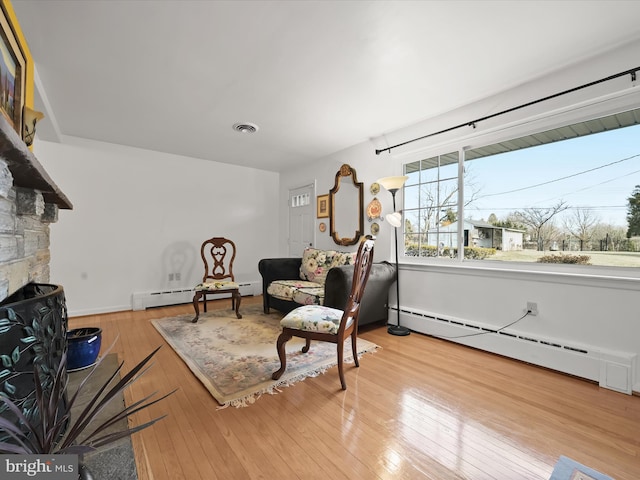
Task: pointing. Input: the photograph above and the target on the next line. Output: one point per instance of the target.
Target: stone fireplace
(29, 203)
(33, 312)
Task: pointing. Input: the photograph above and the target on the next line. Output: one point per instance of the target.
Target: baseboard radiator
(177, 296)
(611, 369)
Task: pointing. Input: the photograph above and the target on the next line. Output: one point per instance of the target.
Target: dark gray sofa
(336, 288)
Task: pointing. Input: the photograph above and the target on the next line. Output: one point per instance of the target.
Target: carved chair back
(218, 254)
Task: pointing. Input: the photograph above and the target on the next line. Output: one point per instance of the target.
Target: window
(558, 196)
(300, 200)
(431, 206)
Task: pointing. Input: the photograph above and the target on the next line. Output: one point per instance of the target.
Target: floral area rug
(234, 358)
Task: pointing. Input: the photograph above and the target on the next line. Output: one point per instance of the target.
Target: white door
(301, 216)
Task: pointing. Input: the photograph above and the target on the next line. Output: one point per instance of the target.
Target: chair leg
(307, 345)
(204, 300)
(236, 303)
(265, 303)
(354, 347)
(282, 339)
(196, 308)
(341, 365)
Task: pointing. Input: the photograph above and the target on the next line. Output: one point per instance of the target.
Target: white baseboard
(613, 370)
(97, 311)
(177, 296)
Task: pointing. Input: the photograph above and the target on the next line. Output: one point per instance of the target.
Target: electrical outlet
(171, 277)
(177, 276)
(532, 308)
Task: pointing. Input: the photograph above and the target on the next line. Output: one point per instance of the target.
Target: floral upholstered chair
(317, 322)
(217, 254)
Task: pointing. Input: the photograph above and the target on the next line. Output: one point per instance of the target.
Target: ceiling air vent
(245, 127)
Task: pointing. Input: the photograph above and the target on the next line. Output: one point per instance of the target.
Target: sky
(535, 177)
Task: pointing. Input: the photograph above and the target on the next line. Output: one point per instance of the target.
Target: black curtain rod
(472, 123)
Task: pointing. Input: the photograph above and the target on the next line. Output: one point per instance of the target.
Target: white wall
(140, 215)
(599, 313)
(369, 167)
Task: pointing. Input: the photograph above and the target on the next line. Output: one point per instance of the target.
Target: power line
(590, 186)
(590, 207)
(561, 178)
(486, 331)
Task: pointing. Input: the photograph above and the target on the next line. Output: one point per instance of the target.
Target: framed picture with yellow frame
(322, 206)
(12, 72)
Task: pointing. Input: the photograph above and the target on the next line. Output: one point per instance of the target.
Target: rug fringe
(274, 389)
(250, 399)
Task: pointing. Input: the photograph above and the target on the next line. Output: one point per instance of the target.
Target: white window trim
(593, 276)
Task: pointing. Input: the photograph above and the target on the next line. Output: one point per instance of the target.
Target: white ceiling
(316, 76)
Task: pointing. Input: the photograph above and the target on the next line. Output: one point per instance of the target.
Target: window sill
(592, 276)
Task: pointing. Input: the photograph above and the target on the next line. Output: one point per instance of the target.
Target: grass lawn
(611, 259)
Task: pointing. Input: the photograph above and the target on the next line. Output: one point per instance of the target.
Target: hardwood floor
(418, 408)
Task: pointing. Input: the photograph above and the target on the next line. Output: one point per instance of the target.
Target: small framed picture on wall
(323, 206)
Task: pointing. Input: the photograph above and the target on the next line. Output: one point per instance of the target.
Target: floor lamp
(393, 184)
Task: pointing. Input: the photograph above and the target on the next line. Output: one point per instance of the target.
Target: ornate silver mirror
(346, 200)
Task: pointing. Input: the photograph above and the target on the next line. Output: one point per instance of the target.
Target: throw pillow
(317, 263)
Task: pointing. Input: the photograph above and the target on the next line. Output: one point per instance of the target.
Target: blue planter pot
(83, 347)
